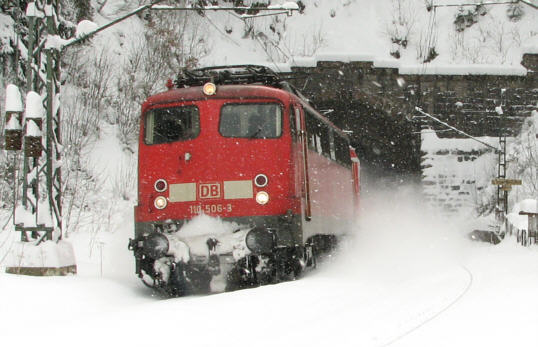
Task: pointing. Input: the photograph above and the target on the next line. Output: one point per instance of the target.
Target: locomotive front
(216, 189)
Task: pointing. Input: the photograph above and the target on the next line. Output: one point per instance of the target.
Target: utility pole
(43, 201)
(38, 213)
(502, 192)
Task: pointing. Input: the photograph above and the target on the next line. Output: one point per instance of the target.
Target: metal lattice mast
(54, 174)
(39, 212)
(502, 191)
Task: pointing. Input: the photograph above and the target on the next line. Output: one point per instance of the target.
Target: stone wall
(457, 172)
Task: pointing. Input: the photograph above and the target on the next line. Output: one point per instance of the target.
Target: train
(240, 146)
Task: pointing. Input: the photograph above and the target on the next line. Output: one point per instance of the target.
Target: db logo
(209, 190)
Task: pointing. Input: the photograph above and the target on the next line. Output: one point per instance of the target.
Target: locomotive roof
(223, 92)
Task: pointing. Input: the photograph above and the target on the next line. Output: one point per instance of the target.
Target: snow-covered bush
(514, 12)
(85, 98)
(401, 26)
(77, 10)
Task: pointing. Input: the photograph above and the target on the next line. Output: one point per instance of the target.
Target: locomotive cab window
(171, 124)
(255, 121)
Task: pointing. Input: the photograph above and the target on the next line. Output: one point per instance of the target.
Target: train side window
(332, 148)
(318, 135)
(298, 125)
(171, 124)
(256, 121)
(311, 131)
(325, 140)
(342, 150)
(293, 128)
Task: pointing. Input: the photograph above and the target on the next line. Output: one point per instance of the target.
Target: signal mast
(37, 211)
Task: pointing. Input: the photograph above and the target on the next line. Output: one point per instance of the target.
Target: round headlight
(262, 198)
(259, 241)
(160, 185)
(156, 245)
(261, 180)
(160, 202)
(209, 88)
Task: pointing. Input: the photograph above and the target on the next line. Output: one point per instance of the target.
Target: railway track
(437, 313)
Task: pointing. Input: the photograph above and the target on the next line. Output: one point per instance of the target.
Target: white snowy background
(407, 277)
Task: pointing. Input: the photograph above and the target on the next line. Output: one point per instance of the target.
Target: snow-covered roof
(527, 205)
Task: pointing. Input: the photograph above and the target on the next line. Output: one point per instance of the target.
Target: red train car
(238, 144)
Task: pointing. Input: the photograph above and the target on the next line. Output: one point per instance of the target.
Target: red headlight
(261, 180)
(160, 185)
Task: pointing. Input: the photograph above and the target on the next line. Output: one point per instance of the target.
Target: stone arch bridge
(375, 101)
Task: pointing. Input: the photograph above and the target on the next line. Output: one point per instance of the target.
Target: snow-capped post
(34, 114)
(13, 128)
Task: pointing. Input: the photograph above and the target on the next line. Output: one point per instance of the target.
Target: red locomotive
(241, 146)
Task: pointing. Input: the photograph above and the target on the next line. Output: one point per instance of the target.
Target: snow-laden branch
(91, 33)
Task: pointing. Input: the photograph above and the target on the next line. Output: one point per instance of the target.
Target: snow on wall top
(531, 46)
(299, 61)
(403, 69)
(465, 69)
(13, 99)
(432, 143)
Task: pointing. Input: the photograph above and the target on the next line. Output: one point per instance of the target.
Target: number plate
(212, 208)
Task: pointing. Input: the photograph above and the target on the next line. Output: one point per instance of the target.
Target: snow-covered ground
(405, 279)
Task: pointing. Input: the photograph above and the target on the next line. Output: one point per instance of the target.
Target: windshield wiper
(256, 133)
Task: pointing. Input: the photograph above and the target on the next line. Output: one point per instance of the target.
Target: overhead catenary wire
(418, 109)
(526, 2)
